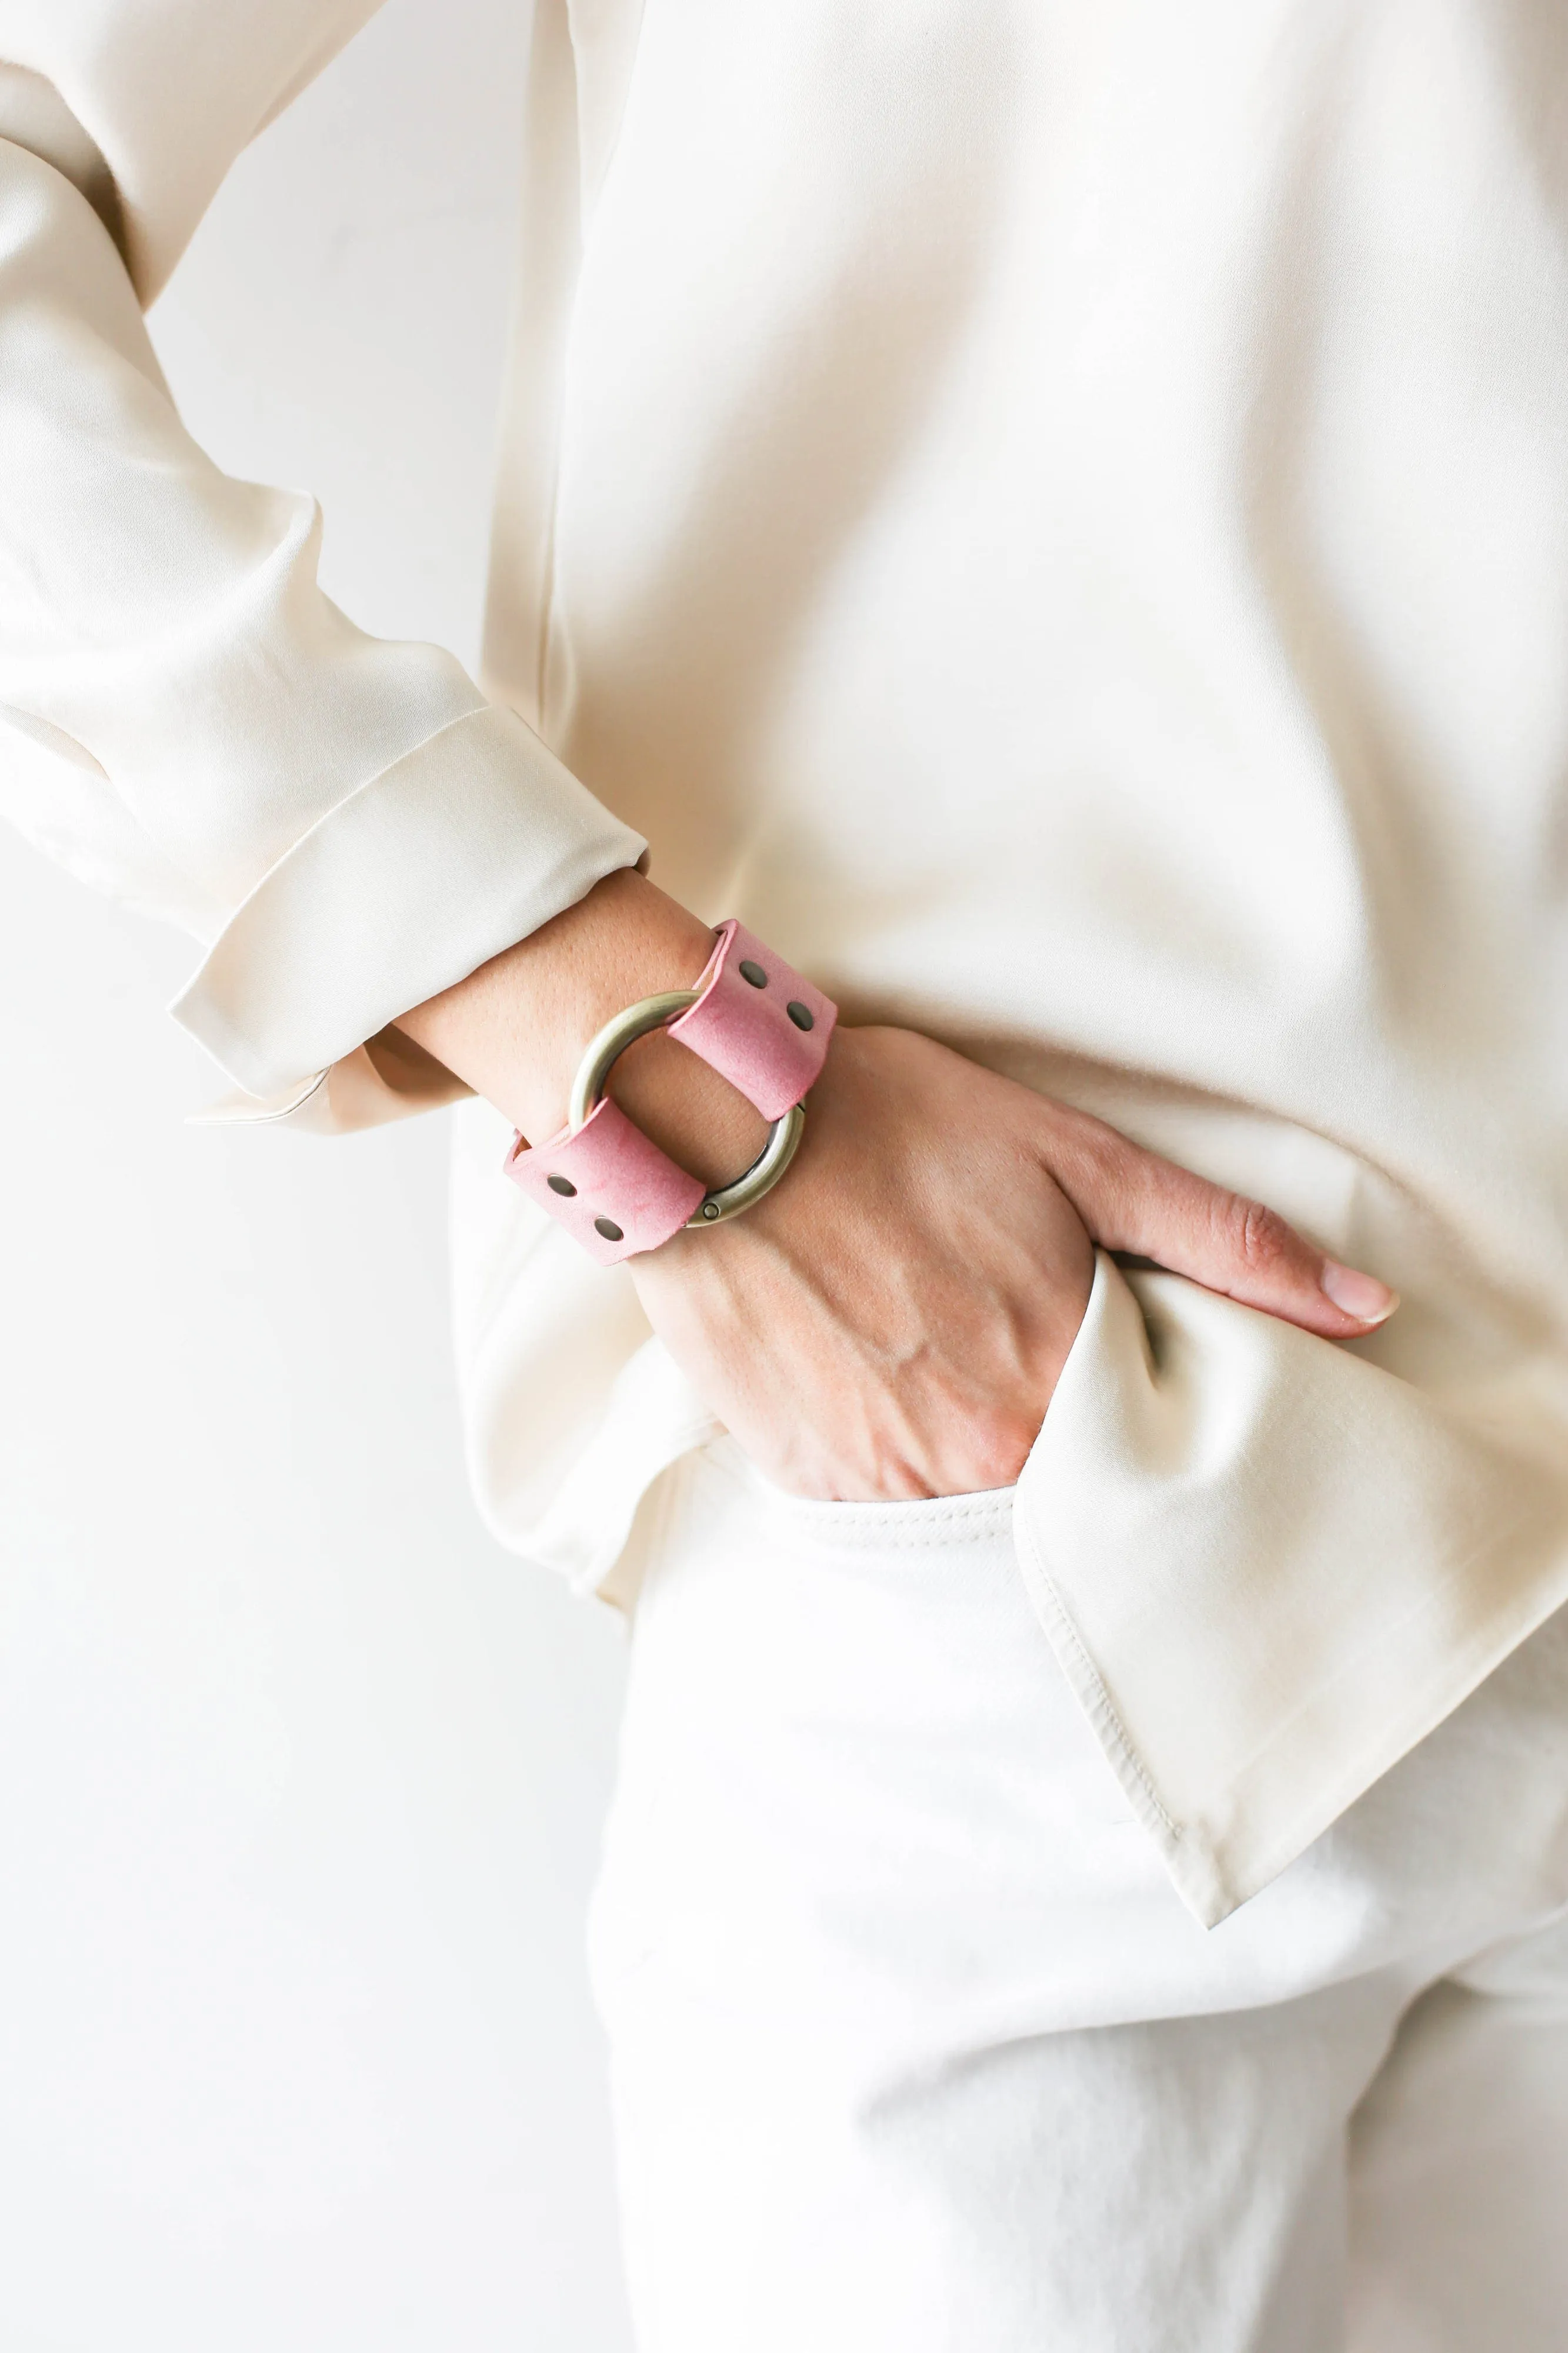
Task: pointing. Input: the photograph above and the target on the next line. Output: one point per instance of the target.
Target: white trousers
(914, 2048)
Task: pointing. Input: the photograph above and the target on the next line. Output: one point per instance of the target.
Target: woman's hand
(892, 1320)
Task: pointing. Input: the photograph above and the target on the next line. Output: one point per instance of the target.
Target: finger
(1132, 1200)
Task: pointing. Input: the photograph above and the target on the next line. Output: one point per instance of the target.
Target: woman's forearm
(516, 1028)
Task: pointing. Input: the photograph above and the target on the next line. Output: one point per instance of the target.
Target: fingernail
(1361, 1295)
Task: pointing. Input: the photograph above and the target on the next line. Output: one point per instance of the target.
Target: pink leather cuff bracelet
(753, 1020)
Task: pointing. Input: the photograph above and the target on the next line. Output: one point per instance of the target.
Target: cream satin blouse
(1058, 517)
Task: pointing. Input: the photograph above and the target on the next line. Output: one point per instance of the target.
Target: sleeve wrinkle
(194, 722)
(36, 118)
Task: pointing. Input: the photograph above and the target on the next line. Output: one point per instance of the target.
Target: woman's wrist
(516, 1029)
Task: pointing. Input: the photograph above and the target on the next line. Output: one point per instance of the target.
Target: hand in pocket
(892, 1320)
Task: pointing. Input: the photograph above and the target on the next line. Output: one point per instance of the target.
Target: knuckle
(1259, 1236)
(1099, 1172)
(1077, 1138)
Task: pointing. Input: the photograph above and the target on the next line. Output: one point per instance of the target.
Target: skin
(892, 1320)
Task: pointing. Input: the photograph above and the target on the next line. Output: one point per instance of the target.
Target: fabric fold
(1269, 1567)
(458, 850)
(344, 822)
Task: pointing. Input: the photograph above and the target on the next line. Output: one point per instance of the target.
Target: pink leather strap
(758, 1023)
(609, 1185)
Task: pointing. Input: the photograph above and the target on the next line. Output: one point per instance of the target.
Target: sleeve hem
(1268, 1567)
(457, 850)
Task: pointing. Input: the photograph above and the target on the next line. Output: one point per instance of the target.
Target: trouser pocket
(832, 1706)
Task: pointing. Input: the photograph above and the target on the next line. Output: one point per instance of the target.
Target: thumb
(1133, 1201)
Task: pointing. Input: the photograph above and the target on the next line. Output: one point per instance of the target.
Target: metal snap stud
(801, 1014)
(753, 973)
(710, 1208)
(561, 1184)
(608, 1227)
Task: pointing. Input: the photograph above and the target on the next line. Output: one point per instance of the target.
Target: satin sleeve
(343, 825)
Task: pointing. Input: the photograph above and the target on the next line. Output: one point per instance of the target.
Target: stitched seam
(934, 1511)
(1114, 1728)
(940, 1531)
(890, 1540)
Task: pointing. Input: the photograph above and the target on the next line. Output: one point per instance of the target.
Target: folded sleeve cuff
(457, 850)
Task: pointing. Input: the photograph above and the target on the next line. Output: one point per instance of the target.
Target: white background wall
(300, 1776)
